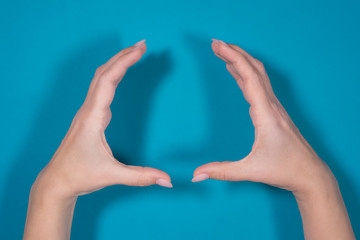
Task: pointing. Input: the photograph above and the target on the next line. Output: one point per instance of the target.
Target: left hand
(84, 162)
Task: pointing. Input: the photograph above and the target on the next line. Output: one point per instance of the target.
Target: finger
(123, 52)
(105, 66)
(245, 73)
(233, 57)
(255, 62)
(235, 75)
(140, 176)
(225, 171)
(105, 86)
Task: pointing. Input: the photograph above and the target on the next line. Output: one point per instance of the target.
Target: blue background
(178, 108)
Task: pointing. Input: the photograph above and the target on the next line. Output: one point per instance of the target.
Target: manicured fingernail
(139, 44)
(200, 177)
(215, 40)
(164, 183)
(219, 42)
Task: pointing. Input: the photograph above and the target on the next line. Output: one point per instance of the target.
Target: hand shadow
(227, 109)
(66, 96)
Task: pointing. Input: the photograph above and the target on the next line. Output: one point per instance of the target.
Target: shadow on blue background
(130, 110)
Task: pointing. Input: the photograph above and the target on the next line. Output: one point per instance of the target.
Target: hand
(84, 162)
(280, 156)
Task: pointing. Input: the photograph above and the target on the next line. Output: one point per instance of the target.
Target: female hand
(280, 156)
(84, 162)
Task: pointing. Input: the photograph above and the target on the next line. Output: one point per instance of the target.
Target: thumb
(225, 171)
(140, 176)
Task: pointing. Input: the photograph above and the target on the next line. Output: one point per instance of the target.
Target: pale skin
(280, 156)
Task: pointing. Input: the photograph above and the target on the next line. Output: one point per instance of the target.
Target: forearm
(48, 216)
(323, 212)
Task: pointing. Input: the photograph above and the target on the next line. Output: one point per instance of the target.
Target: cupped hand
(84, 161)
(280, 156)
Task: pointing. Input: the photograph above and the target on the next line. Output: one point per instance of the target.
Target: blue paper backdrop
(178, 108)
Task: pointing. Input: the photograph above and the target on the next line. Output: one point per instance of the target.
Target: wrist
(323, 211)
(321, 187)
(50, 188)
(45, 195)
(50, 210)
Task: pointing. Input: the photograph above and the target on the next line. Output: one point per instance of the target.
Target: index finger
(104, 88)
(244, 71)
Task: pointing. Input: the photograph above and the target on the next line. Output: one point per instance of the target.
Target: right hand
(280, 156)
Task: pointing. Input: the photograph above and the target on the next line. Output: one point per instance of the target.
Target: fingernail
(164, 183)
(200, 177)
(215, 40)
(219, 42)
(139, 44)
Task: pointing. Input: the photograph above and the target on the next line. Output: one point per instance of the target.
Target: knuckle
(103, 76)
(241, 62)
(260, 65)
(107, 77)
(99, 70)
(86, 120)
(142, 179)
(124, 58)
(229, 177)
(223, 174)
(251, 112)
